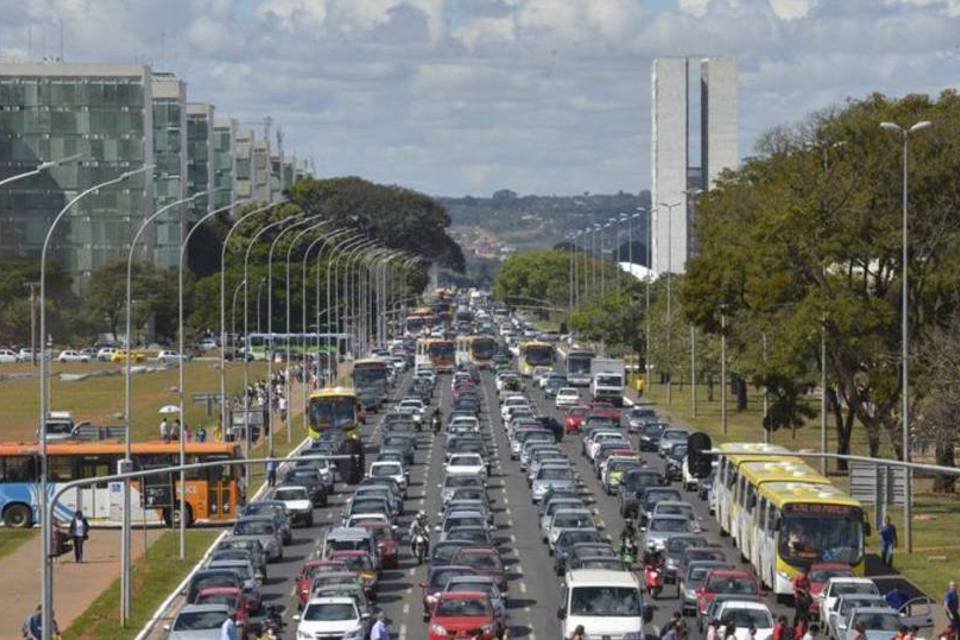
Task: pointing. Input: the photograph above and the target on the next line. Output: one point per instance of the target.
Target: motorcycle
(653, 575)
(420, 546)
(436, 425)
(271, 627)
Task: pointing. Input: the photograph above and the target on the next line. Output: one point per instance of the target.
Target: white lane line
(403, 632)
(406, 608)
(523, 587)
(513, 539)
(412, 572)
(509, 522)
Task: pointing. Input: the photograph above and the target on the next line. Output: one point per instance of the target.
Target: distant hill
(527, 222)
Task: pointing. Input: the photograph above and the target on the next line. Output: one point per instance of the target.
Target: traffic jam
(499, 485)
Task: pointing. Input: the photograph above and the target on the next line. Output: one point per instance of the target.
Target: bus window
(60, 468)
(18, 469)
(92, 466)
(751, 497)
(731, 478)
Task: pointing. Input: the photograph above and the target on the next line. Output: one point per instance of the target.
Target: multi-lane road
(534, 592)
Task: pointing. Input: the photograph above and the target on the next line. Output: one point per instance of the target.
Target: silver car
(659, 528)
(265, 530)
(882, 623)
(558, 476)
(198, 622)
(567, 519)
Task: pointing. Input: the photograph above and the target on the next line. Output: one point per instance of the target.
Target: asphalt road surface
(533, 597)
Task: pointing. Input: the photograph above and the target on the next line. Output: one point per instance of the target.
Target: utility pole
(32, 287)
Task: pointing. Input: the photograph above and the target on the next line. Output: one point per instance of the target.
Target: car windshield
(463, 521)
(605, 601)
(386, 470)
(199, 620)
(854, 587)
(462, 481)
(725, 584)
(679, 544)
(463, 608)
(330, 612)
(554, 473)
(482, 561)
(822, 575)
(218, 598)
(652, 497)
(253, 528)
(466, 461)
(669, 525)
(367, 506)
(441, 578)
(290, 493)
(481, 587)
(675, 509)
(634, 481)
(572, 521)
(582, 535)
(674, 434)
(653, 430)
(356, 563)
(697, 573)
(878, 621)
(357, 544)
(743, 618)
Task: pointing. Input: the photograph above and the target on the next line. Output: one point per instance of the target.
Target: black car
(209, 578)
(650, 435)
(631, 489)
(673, 550)
(583, 550)
(563, 547)
(674, 460)
(311, 479)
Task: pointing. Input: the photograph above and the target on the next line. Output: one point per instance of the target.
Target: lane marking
(523, 587)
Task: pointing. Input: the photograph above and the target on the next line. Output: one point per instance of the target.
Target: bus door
(95, 500)
(218, 501)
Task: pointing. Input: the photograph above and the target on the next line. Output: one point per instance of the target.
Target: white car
(296, 502)
(604, 436)
(168, 357)
(7, 356)
(466, 464)
(412, 407)
(512, 401)
(390, 469)
(331, 618)
(567, 397)
(744, 613)
(25, 355)
(838, 586)
(207, 344)
(69, 355)
(106, 354)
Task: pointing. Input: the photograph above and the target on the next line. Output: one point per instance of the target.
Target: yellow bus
(334, 409)
(799, 524)
(536, 354)
(751, 477)
(728, 474)
(476, 350)
(438, 352)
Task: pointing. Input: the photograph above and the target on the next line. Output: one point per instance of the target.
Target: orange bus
(213, 493)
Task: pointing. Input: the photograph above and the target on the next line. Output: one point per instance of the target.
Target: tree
(936, 417)
(535, 279)
(806, 237)
(154, 294)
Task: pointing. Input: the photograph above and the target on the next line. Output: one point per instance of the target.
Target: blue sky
(468, 96)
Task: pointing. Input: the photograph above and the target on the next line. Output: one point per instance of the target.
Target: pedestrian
(218, 432)
(713, 630)
(283, 409)
(164, 430)
(228, 630)
(187, 433)
(33, 626)
(79, 531)
(272, 473)
(780, 628)
(379, 630)
(175, 431)
(897, 597)
(752, 632)
(201, 434)
(951, 604)
(730, 631)
(578, 633)
(812, 632)
(802, 599)
(860, 631)
(888, 538)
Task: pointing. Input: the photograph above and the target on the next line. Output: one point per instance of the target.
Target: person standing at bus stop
(888, 538)
(79, 532)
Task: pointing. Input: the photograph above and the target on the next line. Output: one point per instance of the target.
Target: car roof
(204, 608)
(730, 573)
(332, 600)
(601, 577)
(744, 604)
(348, 532)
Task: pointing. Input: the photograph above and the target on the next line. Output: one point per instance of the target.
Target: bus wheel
(17, 516)
(172, 516)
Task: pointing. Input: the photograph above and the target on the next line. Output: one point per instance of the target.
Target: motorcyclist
(628, 550)
(419, 527)
(652, 557)
(437, 420)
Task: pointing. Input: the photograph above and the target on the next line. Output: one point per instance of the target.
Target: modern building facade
(243, 150)
(260, 175)
(676, 178)
(200, 157)
(224, 161)
(170, 167)
(51, 111)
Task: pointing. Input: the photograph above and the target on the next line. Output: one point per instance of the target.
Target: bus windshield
(338, 413)
(538, 355)
(369, 374)
(483, 348)
(579, 363)
(812, 533)
(441, 349)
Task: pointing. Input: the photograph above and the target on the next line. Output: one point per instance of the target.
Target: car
(744, 614)
(462, 518)
(608, 603)
(692, 578)
(229, 596)
(436, 584)
(209, 578)
(556, 503)
(69, 355)
(653, 495)
(575, 417)
(568, 519)
(297, 503)
(565, 542)
(462, 614)
(263, 529)
(723, 582)
(660, 528)
(105, 354)
(395, 470)
(614, 469)
(310, 479)
(670, 507)
(198, 622)
(670, 437)
(838, 586)
(820, 573)
(247, 574)
(169, 357)
(881, 623)
(466, 464)
(277, 511)
(207, 344)
(364, 565)
(337, 617)
(558, 477)
(633, 485)
(486, 585)
(249, 547)
(638, 416)
(844, 604)
(26, 355)
(650, 433)
(485, 561)
(388, 546)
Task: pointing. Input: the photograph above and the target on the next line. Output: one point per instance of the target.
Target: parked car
(69, 355)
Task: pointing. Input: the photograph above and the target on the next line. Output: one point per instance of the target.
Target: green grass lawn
(155, 575)
(100, 400)
(936, 548)
(13, 539)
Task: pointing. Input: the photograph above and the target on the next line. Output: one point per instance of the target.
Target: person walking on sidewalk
(951, 604)
(272, 473)
(79, 531)
(33, 625)
(888, 538)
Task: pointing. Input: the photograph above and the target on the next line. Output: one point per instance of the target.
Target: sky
(456, 97)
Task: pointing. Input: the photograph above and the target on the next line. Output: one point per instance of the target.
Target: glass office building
(224, 169)
(200, 172)
(53, 110)
(243, 150)
(170, 162)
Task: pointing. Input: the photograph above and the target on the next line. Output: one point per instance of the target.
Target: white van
(608, 603)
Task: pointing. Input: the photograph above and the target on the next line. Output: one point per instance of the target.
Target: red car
(725, 581)
(387, 543)
(363, 565)
(462, 615)
(606, 410)
(575, 419)
(820, 574)
(311, 568)
(485, 561)
(230, 596)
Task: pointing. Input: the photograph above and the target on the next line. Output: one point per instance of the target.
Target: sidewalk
(75, 586)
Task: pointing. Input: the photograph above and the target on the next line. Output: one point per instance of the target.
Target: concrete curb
(160, 612)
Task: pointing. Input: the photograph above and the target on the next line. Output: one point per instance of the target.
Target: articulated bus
(334, 409)
(536, 354)
(578, 366)
(370, 381)
(784, 516)
(213, 494)
(438, 352)
(418, 322)
(476, 350)
(258, 344)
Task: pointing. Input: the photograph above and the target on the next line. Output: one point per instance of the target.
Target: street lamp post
(333, 315)
(325, 241)
(40, 168)
(905, 329)
(46, 561)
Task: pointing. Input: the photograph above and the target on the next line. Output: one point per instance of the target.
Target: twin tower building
(693, 139)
